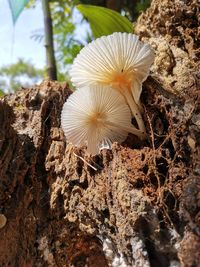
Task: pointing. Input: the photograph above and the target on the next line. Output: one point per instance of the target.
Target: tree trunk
(49, 45)
(138, 205)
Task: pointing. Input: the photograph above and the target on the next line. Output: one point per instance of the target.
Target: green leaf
(16, 7)
(104, 21)
(1, 93)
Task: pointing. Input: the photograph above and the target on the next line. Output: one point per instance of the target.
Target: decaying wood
(139, 205)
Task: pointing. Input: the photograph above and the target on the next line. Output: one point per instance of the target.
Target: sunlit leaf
(104, 21)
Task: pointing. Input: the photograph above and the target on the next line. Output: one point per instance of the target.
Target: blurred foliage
(67, 46)
(22, 73)
(1, 92)
(129, 8)
(140, 7)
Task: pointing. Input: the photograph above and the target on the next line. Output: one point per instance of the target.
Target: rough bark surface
(138, 205)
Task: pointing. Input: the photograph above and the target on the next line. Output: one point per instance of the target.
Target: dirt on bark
(137, 205)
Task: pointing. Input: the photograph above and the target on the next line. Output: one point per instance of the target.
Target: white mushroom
(119, 60)
(97, 116)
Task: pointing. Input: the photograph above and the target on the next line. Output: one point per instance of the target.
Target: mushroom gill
(120, 61)
(97, 116)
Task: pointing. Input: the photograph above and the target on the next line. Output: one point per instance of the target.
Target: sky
(16, 41)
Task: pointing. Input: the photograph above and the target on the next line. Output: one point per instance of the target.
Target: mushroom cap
(120, 60)
(93, 116)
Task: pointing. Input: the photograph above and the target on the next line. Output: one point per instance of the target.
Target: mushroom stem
(131, 129)
(135, 110)
(140, 107)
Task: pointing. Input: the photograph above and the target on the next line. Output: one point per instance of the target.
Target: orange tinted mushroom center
(97, 119)
(121, 80)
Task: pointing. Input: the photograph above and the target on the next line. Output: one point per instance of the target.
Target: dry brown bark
(143, 200)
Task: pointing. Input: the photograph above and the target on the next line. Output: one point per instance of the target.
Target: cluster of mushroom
(108, 74)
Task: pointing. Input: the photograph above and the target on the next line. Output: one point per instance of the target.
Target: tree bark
(139, 204)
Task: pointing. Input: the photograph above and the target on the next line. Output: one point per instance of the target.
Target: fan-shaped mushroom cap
(96, 115)
(120, 60)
